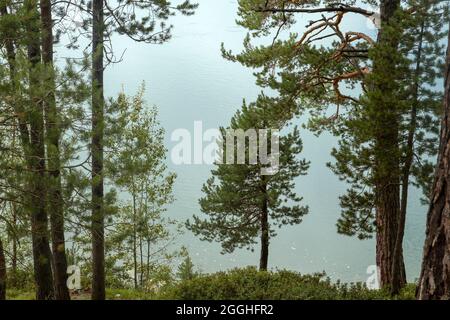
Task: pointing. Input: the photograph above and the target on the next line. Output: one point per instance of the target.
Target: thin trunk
(135, 244)
(37, 205)
(264, 233)
(398, 273)
(14, 244)
(23, 129)
(55, 203)
(98, 101)
(387, 171)
(2, 273)
(148, 238)
(148, 259)
(142, 262)
(434, 281)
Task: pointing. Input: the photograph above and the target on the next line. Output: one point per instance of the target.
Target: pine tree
(186, 270)
(33, 130)
(384, 112)
(97, 187)
(52, 139)
(35, 149)
(241, 202)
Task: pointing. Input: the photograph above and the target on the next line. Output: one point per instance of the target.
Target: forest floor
(111, 294)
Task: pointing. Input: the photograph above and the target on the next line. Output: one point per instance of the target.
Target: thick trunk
(98, 237)
(55, 203)
(264, 257)
(37, 200)
(434, 281)
(387, 153)
(387, 226)
(2, 273)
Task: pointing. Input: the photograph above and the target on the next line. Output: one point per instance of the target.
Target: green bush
(250, 284)
(16, 294)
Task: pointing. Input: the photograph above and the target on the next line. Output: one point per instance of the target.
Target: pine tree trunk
(387, 170)
(37, 199)
(397, 273)
(32, 139)
(434, 281)
(141, 268)
(23, 129)
(13, 276)
(98, 237)
(55, 203)
(263, 262)
(2, 273)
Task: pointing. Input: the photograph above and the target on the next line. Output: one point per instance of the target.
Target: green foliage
(361, 90)
(19, 294)
(394, 131)
(128, 294)
(186, 270)
(141, 21)
(138, 188)
(238, 195)
(250, 284)
(135, 164)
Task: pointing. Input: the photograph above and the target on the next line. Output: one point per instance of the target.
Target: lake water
(189, 80)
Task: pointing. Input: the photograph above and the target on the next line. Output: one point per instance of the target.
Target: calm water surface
(189, 80)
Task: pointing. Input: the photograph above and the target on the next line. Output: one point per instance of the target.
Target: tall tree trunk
(55, 203)
(98, 236)
(396, 271)
(31, 128)
(264, 257)
(387, 155)
(14, 245)
(434, 281)
(37, 205)
(148, 260)
(141, 268)
(23, 130)
(2, 273)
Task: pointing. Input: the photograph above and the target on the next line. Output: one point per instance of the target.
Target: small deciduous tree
(135, 163)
